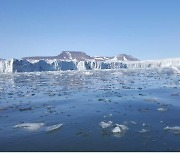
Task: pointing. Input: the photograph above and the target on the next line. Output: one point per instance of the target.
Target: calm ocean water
(33, 105)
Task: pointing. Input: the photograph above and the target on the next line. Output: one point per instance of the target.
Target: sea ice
(175, 129)
(133, 122)
(117, 130)
(88, 73)
(143, 124)
(105, 124)
(153, 100)
(30, 126)
(110, 115)
(144, 131)
(123, 127)
(162, 109)
(120, 129)
(53, 127)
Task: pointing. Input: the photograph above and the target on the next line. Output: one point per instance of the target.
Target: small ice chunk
(88, 73)
(110, 115)
(30, 126)
(162, 109)
(105, 124)
(133, 122)
(143, 131)
(144, 124)
(53, 127)
(154, 100)
(123, 127)
(116, 130)
(176, 129)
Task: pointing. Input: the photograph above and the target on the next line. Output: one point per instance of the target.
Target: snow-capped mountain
(120, 57)
(74, 55)
(82, 56)
(64, 55)
(124, 57)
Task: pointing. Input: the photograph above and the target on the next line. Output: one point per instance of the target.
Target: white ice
(144, 131)
(176, 129)
(122, 127)
(15, 65)
(117, 130)
(162, 109)
(30, 126)
(110, 115)
(133, 122)
(53, 127)
(105, 124)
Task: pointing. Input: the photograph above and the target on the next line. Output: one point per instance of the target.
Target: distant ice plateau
(69, 60)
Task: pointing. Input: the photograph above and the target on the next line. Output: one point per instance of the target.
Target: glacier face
(163, 63)
(6, 66)
(15, 65)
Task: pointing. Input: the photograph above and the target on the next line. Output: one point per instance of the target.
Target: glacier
(22, 65)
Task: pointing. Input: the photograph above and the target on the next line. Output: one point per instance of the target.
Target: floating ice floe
(143, 124)
(105, 124)
(162, 109)
(120, 129)
(175, 129)
(30, 126)
(154, 100)
(110, 115)
(53, 127)
(133, 122)
(144, 131)
(123, 127)
(116, 130)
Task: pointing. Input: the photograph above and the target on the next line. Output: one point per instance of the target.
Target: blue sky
(146, 29)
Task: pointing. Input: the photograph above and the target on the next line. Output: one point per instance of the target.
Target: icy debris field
(103, 110)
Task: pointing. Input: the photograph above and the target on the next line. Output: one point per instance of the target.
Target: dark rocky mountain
(70, 55)
(81, 56)
(64, 55)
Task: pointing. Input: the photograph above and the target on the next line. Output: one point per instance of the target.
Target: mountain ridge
(82, 56)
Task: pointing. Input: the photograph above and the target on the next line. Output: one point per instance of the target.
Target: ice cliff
(15, 65)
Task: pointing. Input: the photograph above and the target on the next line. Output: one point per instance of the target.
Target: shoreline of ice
(15, 65)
